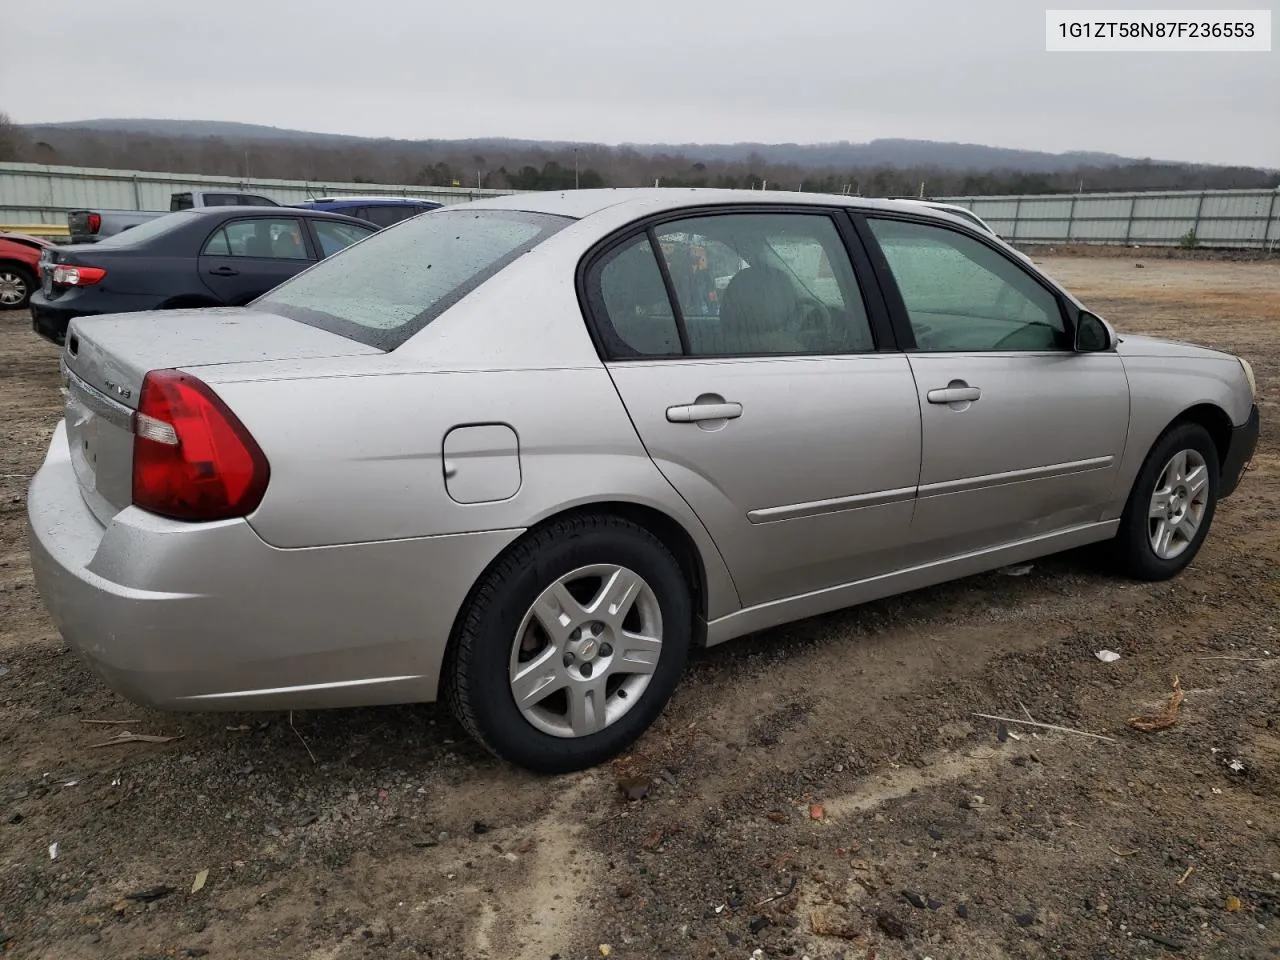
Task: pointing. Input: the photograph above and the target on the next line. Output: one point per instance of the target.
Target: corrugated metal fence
(32, 193)
(1205, 218)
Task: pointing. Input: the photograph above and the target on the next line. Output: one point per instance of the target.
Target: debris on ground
(1233, 905)
(1107, 656)
(53, 850)
(1046, 726)
(1165, 718)
(816, 811)
(124, 736)
(778, 896)
(913, 898)
(1018, 569)
(891, 926)
(150, 895)
(634, 788)
(1173, 945)
(198, 884)
(829, 922)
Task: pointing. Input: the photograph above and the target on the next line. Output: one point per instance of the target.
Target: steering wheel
(811, 319)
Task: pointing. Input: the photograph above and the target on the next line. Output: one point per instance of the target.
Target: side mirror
(1093, 335)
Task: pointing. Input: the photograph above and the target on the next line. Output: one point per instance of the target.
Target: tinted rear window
(383, 290)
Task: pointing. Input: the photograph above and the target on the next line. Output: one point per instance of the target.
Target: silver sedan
(526, 453)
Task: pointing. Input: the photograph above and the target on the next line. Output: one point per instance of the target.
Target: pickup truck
(90, 226)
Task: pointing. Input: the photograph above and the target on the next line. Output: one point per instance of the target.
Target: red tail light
(95, 222)
(66, 276)
(192, 457)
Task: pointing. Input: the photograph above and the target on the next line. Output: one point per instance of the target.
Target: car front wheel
(1171, 506)
(571, 645)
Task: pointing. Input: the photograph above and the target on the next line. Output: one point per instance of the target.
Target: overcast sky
(695, 70)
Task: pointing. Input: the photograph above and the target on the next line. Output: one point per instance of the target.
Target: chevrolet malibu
(525, 454)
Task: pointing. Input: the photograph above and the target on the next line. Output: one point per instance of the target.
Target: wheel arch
(1215, 420)
(10, 263)
(670, 531)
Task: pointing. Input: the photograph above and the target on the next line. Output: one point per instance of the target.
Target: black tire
(1132, 549)
(476, 680)
(22, 276)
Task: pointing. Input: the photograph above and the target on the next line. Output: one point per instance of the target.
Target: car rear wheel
(1171, 506)
(16, 286)
(571, 645)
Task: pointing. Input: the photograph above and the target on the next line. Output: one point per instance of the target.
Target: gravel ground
(822, 790)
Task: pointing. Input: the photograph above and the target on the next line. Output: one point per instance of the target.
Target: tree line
(523, 167)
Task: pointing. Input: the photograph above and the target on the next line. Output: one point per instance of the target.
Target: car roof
(282, 211)
(358, 200)
(579, 204)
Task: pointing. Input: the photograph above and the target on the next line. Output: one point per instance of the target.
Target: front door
(243, 259)
(741, 346)
(1021, 434)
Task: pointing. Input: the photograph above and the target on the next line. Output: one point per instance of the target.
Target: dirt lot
(402, 839)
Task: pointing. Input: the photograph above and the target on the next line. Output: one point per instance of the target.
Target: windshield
(147, 230)
(384, 289)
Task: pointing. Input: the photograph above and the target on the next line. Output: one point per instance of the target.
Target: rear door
(1022, 434)
(244, 258)
(743, 348)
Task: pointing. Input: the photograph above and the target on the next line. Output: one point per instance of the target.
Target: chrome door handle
(697, 412)
(954, 395)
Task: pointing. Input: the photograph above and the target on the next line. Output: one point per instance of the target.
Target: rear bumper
(1244, 441)
(210, 617)
(51, 322)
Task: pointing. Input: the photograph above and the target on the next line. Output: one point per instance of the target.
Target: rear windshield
(384, 289)
(147, 230)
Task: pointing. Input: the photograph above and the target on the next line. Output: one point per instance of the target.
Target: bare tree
(13, 140)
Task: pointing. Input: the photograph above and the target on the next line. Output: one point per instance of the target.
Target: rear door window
(333, 235)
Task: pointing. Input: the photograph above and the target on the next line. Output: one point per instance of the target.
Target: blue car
(381, 211)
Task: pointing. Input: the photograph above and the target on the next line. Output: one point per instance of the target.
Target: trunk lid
(106, 358)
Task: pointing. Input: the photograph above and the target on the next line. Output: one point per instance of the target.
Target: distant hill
(900, 153)
(877, 168)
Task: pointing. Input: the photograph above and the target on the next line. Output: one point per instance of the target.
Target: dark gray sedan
(210, 257)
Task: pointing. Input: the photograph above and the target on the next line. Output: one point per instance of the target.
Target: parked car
(383, 211)
(490, 456)
(90, 226)
(208, 257)
(19, 268)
